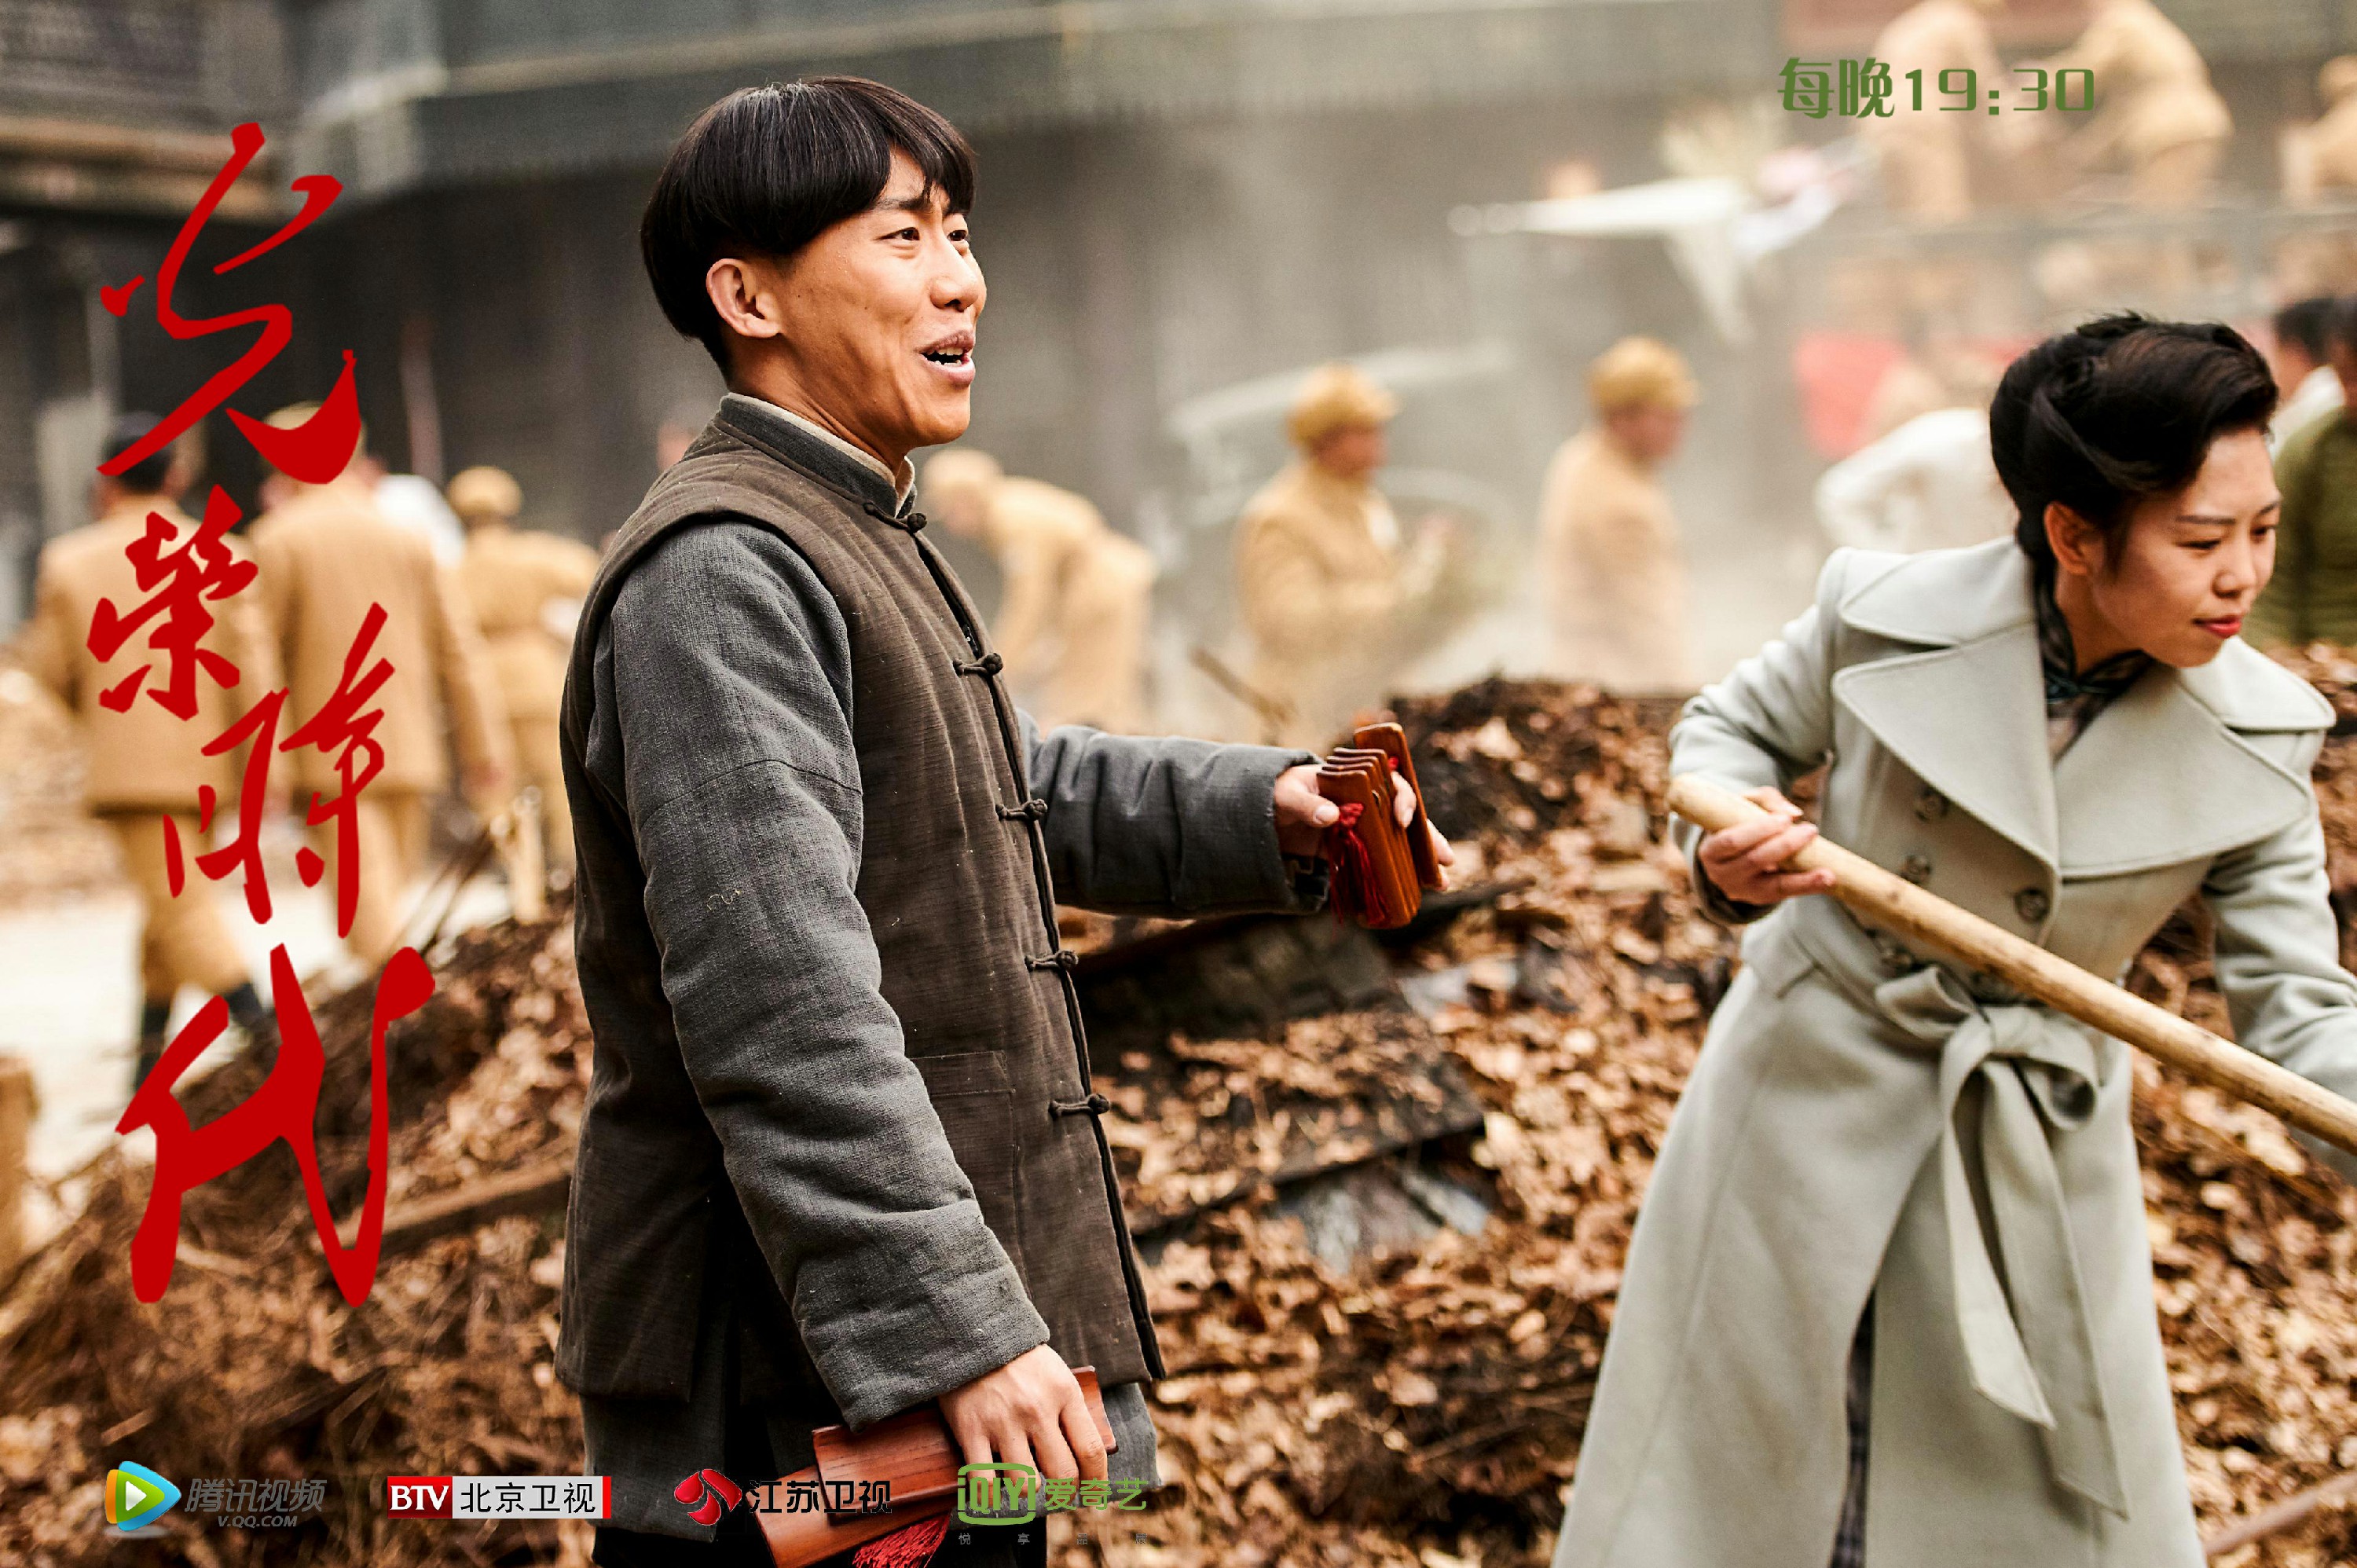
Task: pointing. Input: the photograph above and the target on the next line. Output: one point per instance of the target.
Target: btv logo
(136, 1496)
(720, 1494)
(418, 1497)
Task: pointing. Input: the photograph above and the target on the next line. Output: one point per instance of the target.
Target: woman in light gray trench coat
(1889, 1299)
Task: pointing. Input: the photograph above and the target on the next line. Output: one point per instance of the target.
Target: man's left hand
(487, 786)
(1303, 815)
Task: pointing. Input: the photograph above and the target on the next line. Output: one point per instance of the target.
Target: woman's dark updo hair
(2119, 409)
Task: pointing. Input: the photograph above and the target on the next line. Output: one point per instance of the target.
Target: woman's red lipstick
(2222, 626)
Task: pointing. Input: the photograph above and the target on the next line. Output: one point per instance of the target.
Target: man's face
(1354, 452)
(1650, 433)
(879, 316)
(2290, 364)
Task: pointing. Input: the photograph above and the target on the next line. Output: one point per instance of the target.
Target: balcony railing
(186, 64)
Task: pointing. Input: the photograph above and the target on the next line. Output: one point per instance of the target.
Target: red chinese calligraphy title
(183, 573)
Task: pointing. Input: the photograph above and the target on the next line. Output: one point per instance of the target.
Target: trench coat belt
(2034, 1355)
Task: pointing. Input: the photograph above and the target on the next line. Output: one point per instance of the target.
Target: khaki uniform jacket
(1076, 599)
(509, 577)
(2150, 80)
(326, 556)
(1925, 166)
(1861, 1121)
(1319, 594)
(2332, 147)
(1614, 573)
(147, 758)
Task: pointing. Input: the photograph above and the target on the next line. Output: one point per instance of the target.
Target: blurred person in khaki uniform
(147, 764)
(1073, 616)
(2330, 144)
(1321, 577)
(2320, 164)
(1612, 566)
(525, 587)
(327, 554)
(1926, 154)
(2160, 114)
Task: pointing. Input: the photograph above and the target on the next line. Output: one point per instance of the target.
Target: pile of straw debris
(1427, 1410)
(1422, 1406)
(253, 1365)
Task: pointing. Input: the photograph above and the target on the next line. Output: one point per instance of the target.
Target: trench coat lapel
(2160, 778)
(1967, 713)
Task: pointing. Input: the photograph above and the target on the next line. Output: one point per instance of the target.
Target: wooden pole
(2280, 1517)
(17, 1104)
(515, 830)
(540, 1187)
(1901, 907)
(1274, 712)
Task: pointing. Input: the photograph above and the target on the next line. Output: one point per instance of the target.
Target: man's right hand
(1029, 1412)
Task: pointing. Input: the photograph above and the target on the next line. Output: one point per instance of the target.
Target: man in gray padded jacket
(841, 1154)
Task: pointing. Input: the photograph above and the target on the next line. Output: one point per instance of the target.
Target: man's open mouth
(958, 350)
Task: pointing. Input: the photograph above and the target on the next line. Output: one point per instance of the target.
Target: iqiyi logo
(997, 1493)
(137, 1497)
(1002, 1493)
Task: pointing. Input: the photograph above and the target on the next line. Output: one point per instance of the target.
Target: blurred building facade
(1175, 198)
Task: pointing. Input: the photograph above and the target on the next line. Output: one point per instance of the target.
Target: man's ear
(2077, 544)
(745, 297)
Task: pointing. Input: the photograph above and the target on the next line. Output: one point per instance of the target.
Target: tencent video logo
(136, 1496)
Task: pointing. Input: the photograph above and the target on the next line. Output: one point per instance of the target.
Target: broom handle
(1900, 907)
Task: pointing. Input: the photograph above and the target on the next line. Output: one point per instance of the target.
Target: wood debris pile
(1226, 1119)
(253, 1365)
(1450, 1387)
(1422, 1409)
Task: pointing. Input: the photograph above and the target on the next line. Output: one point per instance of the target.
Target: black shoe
(247, 1011)
(154, 1018)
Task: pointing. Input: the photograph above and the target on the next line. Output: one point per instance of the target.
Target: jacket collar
(1330, 490)
(130, 515)
(2162, 776)
(795, 442)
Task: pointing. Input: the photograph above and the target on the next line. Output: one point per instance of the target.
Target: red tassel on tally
(910, 1548)
(1355, 893)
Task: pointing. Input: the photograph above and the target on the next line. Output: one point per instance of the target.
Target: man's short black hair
(2306, 322)
(148, 476)
(767, 168)
(2341, 326)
